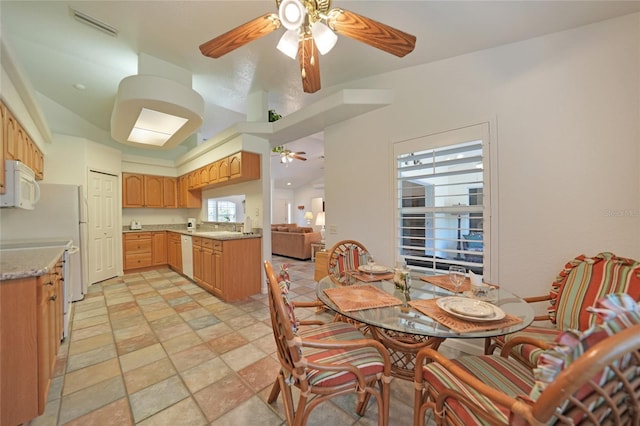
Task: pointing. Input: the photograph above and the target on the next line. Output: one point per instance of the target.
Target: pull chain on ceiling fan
(311, 29)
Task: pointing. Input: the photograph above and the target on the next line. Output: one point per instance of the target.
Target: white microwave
(21, 189)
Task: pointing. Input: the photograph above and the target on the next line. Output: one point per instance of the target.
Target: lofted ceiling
(58, 54)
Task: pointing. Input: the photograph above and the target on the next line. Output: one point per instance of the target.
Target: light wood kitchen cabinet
(18, 145)
(137, 250)
(244, 166)
(18, 366)
(196, 248)
(236, 268)
(170, 192)
(159, 247)
(187, 198)
(203, 176)
(50, 319)
(153, 191)
(214, 172)
(144, 249)
(3, 127)
(33, 307)
(132, 190)
(203, 266)
(223, 170)
(174, 251)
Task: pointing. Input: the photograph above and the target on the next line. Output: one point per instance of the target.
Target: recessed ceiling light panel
(154, 106)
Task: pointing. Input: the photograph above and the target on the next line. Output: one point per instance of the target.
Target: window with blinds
(442, 202)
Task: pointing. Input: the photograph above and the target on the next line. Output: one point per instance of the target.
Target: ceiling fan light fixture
(291, 14)
(324, 38)
(288, 43)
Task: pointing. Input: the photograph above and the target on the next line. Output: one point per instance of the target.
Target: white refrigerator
(60, 214)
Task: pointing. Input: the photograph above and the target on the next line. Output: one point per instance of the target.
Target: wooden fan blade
(296, 156)
(300, 153)
(241, 35)
(371, 32)
(309, 65)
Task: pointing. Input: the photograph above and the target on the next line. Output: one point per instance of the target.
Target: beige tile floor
(152, 348)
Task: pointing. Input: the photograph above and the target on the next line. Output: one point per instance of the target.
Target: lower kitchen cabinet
(232, 269)
(33, 307)
(144, 249)
(174, 251)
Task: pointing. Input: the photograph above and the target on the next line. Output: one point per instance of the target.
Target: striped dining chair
(324, 361)
(345, 256)
(588, 377)
(582, 281)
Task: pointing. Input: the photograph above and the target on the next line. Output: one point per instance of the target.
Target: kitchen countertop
(215, 235)
(28, 261)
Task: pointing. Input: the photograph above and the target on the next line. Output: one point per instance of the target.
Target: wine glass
(456, 276)
(371, 263)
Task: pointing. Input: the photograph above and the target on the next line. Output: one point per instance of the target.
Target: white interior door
(101, 194)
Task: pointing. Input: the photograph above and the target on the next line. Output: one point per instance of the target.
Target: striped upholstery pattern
(531, 352)
(366, 359)
(582, 282)
(517, 381)
(512, 378)
(585, 280)
(346, 256)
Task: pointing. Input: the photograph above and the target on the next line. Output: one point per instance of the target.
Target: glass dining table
(404, 328)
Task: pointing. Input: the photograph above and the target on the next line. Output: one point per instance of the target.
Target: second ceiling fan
(311, 28)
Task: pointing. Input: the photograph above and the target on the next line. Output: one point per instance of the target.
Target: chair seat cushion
(509, 377)
(526, 352)
(367, 359)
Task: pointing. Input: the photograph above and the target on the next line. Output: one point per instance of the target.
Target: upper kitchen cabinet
(187, 198)
(132, 190)
(244, 166)
(150, 191)
(18, 145)
(170, 192)
(153, 191)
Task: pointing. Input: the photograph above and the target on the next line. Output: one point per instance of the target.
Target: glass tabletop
(406, 319)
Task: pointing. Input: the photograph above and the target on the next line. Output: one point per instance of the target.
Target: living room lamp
(308, 216)
(320, 222)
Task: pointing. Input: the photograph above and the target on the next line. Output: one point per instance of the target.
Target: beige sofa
(290, 240)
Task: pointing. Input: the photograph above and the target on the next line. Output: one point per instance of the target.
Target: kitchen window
(443, 200)
(221, 211)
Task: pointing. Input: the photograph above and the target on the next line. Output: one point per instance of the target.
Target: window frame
(481, 131)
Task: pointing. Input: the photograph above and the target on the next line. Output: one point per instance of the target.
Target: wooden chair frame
(333, 255)
(619, 396)
(295, 367)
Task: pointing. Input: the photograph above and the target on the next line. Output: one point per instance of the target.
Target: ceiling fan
(287, 156)
(311, 28)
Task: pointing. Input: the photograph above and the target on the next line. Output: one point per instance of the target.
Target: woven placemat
(443, 281)
(357, 297)
(459, 325)
(368, 278)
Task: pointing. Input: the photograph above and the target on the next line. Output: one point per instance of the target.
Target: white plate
(375, 269)
(470, 309)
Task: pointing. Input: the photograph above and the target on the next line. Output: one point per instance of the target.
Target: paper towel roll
(248, 228)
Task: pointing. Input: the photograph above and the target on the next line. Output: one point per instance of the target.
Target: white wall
(566, 109)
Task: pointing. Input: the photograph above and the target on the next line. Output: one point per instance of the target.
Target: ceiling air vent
(93, 22)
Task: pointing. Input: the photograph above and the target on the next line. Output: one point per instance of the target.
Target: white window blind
(441, 204)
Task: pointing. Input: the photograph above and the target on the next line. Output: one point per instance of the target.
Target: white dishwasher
(187, 255)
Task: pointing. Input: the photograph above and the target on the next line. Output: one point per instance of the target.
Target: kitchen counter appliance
(191, 224)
